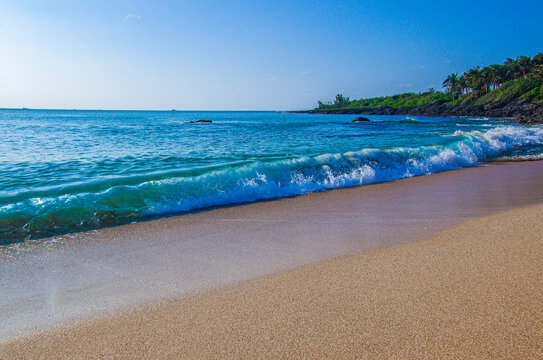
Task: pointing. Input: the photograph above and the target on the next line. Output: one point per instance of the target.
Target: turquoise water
(64, 171)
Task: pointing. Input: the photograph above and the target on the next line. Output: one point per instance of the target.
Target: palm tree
(341, 101)
(524, 64)
(497, 74)
(486, 78)
(469, 76)
(462, 84)
(475, 81)
(512, 70)
(450, 84)
(501, 74)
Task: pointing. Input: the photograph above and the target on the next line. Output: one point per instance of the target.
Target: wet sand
(472, 291)
(105, 271)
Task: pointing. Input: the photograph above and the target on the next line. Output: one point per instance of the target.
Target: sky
(247, 55)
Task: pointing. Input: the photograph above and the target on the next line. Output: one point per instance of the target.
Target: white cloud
(422, 67)
(306, 72)
(405, 85)
(132, 17)
(270, 79)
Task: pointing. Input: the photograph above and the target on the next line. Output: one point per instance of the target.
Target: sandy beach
(472, 290)
(429, 267)
(254, 180)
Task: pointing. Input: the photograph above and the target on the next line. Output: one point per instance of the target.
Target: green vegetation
(402, 100)
(520, 79)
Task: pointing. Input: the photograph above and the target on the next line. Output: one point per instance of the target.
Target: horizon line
(161, 110)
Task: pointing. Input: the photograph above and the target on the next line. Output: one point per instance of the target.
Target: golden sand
(472, 291)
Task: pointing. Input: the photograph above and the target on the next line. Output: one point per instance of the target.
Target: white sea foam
(329, 171)
(255, 180)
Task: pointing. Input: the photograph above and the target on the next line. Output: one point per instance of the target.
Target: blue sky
(247, 55)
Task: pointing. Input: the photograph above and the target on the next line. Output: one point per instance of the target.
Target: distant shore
(523, 112)
(512, 89)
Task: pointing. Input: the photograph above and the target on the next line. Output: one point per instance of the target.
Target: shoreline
(6, 250)
(348, 155)
(97, 272)
(524, 112)
(469, 291)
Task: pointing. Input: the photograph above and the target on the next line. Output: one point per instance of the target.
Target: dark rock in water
(360, 119)
(201, 121)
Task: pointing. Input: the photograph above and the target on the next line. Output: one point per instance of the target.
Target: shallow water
(64, 171)
(47, 282)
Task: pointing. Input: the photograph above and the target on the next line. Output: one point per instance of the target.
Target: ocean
(63, 171)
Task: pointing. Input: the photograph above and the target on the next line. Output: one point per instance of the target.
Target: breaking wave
(88, 206)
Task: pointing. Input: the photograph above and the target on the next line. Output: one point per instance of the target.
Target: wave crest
(250, 181)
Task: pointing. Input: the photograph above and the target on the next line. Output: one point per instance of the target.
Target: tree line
(480, 82)
(520, 78)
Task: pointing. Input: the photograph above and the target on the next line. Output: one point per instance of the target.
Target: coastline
(99, 272)
(524, 112)
(470, 291)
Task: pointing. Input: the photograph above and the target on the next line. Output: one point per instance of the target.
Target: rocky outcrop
(524, 112)
(201, 121)
(532, 118)
(360, 119)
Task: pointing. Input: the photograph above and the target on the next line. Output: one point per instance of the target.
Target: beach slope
(472, 290)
